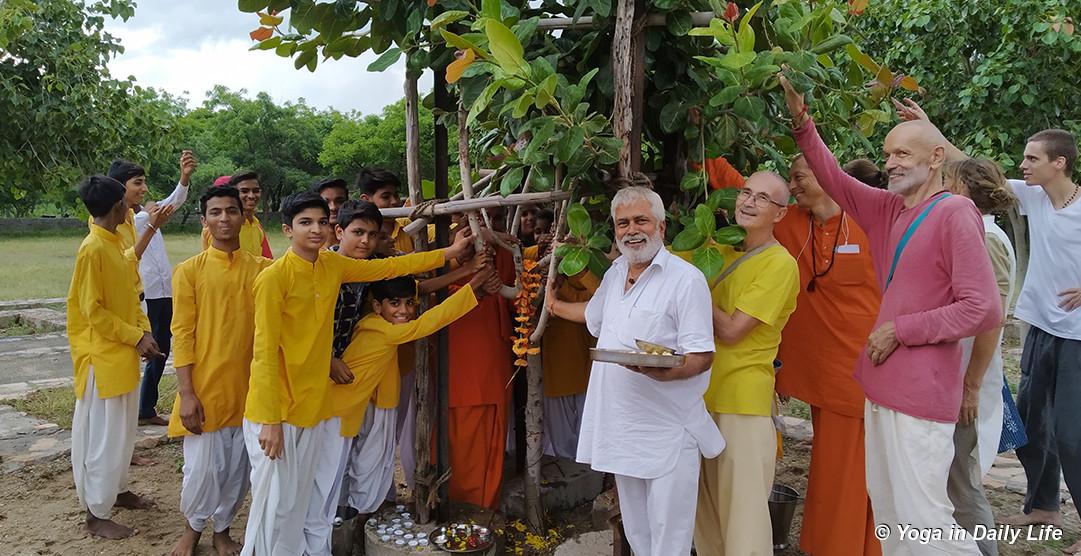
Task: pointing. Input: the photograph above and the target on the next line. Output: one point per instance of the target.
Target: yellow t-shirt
(765, 287)
(373, 354)
(294, 330)
(105, 320)
(213, 328)
(251, 237)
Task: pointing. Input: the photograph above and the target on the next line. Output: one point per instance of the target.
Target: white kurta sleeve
(694, 316)
(177, 197)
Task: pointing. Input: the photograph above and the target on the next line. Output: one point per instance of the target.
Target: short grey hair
(629, 195)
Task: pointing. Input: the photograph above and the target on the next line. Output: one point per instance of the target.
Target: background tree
(995, 72)
(359, 141)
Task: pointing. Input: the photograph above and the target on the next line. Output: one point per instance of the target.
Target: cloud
(187, 48)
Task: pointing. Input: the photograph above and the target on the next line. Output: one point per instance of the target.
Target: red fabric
(480, 347)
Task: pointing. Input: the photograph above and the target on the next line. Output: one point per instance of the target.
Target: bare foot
(1035, 517)
(107, 528)
(140, 461)
(133, 501)
(1074, 548)
(185, 546)
(157, 420)
(225, 545)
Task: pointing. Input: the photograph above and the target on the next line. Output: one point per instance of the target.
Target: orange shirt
(721, 174)
(565, 346)
(480, 347)
(830, 325)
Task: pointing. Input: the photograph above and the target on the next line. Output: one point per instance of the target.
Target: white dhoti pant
(658, 514)
(282, 488)
(323, 504)
(908, 462)
(562, 421)
(216, 469)
(369, 474)
(102, 441)
(407, 432)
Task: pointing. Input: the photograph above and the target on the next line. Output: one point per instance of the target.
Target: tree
(357, 142)
(995, 73)
(64, 114)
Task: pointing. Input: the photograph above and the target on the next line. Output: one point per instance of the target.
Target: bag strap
(731, 268)
(907, 236)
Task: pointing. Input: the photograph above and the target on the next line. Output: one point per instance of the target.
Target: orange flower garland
(525, 310)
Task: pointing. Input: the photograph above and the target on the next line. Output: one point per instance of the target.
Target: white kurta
(282, 488)
(989, 411)
(102, 441)
(216, 469)
(369, 474)
(633, 425)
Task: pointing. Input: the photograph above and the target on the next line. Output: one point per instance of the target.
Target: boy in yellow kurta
(287, 415)
(108, 332)
(213, 329)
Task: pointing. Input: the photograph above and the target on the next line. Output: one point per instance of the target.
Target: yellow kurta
(251, 237)
(565, 345)
(105, 321)
(373, 354)
(126, 232)
(294, 329)
(213, 329)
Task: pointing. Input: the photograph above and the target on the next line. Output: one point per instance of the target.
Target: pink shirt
(943, 288)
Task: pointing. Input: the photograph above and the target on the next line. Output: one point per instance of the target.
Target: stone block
(564, 485)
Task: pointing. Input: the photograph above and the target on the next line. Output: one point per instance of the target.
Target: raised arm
(373, 270)
(188, 164)
(977, 306)
(573, 312)
(868, 205)
(909, 111)
(454, 308)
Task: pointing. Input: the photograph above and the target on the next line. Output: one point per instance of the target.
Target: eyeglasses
(761, 200)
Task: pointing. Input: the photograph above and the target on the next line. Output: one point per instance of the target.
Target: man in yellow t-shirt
(213, 328)
(753, 298)
(108, 333)
(287, 414)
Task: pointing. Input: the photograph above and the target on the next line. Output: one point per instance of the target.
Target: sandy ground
(39, 514)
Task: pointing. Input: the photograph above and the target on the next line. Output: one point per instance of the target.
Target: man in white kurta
(649, 427)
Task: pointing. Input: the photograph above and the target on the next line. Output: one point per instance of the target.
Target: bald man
(937, 288)
(752, 300)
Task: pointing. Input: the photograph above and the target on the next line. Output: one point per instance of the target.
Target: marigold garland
(525, 309)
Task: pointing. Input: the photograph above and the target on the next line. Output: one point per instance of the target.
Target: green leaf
(679, 23)
(387, 59)
(745, 37)
(575, 261)
(730, 61)
(252, 6)
(704, 220)
(750, 108)
(538, 142)
(460, 42)
(691, 181)
(760, 72)
(505, 47)
(745, 21)
(726, 96)
(578, 220)
(564, 249)
(730, 235)
(545, 92)
(690, 238)
(673, 116)
(447, 17)
(600, 242)
(521, 108)
(572, 140)
(482, 102)
(491, 9)
(599, 263)
(272, 42)
(511, 181)
(709, 260)
(303, 58)
(831, 44)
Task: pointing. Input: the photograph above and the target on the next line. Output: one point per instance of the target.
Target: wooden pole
(700, 19)
(622, 76)
(465, 205)
(422, 368)
(442, 234)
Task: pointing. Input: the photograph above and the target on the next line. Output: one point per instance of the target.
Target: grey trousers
(965, 487)
(1048, 401)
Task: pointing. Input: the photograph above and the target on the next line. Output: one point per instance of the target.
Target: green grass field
(40, 266)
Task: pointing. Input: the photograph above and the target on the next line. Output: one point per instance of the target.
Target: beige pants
(733, 489)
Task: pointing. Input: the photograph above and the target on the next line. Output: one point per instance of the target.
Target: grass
(40, 266)
(57, 405)
(18, 327)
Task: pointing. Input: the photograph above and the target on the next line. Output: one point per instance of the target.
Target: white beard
(643, 254)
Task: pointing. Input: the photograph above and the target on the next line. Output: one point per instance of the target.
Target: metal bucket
(341, 537)
(783, 500)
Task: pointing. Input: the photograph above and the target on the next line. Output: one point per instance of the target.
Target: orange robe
(480, 372)
(818, 352)
(721, 174)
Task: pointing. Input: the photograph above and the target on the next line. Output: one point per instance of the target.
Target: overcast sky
(188, 47)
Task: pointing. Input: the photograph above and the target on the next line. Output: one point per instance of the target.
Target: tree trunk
(424, 474)
(534, 449)
(623, 78)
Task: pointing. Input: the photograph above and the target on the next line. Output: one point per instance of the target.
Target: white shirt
(154, 267)
(1054, 262)
(633, 425)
